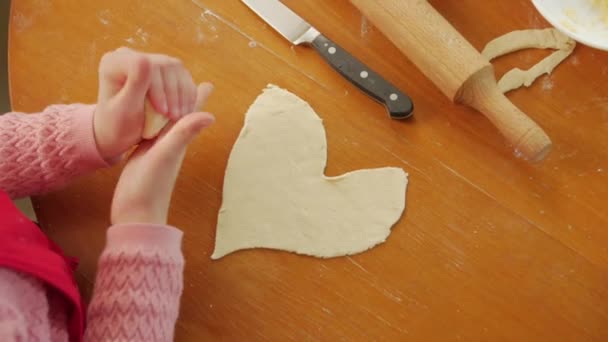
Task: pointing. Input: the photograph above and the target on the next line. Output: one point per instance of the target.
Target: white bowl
(579, 19)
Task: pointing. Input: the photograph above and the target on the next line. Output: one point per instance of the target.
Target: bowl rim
(562, 28)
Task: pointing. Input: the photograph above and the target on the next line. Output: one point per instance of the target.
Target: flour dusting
(208, 32)
(142, 35)
(597, 106)
(21, 22)
(205, 16)
(200, 36)
(547, 83)
(366, 27)
(574, 60)
(104, 17)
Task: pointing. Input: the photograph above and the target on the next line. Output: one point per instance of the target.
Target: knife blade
(297, 31)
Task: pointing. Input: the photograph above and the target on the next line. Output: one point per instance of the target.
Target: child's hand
(143, 192)
(125, 78)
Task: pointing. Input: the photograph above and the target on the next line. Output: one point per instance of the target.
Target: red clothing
(26, 249)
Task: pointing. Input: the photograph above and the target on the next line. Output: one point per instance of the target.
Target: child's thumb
(202, 94)
(138, 82)
(182, 133)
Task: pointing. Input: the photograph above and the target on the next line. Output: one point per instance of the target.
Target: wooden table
(489, 248)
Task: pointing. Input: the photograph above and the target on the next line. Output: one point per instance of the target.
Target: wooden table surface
(489, 248)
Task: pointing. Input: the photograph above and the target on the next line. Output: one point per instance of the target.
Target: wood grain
(490, 247)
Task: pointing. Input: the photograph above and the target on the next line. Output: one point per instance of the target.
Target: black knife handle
(399, 105)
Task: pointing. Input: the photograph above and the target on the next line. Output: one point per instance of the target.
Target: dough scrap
(154, 121)
(549, 38)
(526, 39)
(276, 195)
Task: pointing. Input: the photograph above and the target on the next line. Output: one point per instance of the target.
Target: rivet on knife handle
(399, 105)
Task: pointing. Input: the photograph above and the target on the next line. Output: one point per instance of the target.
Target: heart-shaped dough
(276, 196)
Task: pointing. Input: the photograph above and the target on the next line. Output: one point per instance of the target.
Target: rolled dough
(276, 195)
(526, 39)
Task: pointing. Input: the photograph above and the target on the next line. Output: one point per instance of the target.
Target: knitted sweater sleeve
(138, 285)
(43, 151)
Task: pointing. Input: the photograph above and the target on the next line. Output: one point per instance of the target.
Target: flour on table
(526, 39)
(276, 195)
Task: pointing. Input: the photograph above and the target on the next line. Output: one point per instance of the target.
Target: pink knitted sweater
(139, 279)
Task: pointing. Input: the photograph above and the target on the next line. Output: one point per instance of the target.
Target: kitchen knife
(298, 31)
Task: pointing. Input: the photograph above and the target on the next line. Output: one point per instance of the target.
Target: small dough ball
(154, 121)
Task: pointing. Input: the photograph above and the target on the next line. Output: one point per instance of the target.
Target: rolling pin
(455, 67)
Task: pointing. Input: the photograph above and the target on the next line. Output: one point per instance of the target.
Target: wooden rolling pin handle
(481, 93)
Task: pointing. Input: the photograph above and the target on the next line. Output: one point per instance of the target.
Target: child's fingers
(191, 96)
(171, 83)
(168, 149)
(186, 129)
(181, 91)
(149, 177)
(113, 70)
(188, 92)
(142, 148)
(157, 92)
(138, 80)
(145, 145)
(202, 94)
